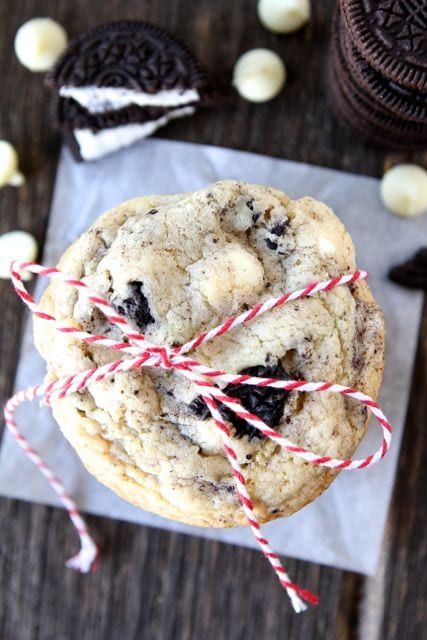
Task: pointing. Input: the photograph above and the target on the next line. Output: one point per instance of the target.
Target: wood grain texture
(153, 584)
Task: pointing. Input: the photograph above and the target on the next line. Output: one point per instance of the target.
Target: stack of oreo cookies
(120, 82)
(377, 70)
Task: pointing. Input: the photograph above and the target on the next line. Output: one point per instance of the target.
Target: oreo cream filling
(102, 99)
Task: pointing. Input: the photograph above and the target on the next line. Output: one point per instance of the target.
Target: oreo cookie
(398, 100)
(120, 82)
(355, 105)
(372, 115)
(391, 35)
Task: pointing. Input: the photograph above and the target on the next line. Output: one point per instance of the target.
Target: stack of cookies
(377, 70)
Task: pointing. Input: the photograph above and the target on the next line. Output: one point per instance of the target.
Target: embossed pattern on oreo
(408, 103)
(129, 54)
(392, 36)
(266, 403)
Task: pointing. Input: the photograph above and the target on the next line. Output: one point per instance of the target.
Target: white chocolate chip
(9, 173)
(284, 16)
(326, 247)
(230, 273)
(16, 245)
(259, 75)
(403, 190)
(39, 42)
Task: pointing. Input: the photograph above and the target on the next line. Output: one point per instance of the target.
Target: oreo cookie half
(120, 82)
(392, 36)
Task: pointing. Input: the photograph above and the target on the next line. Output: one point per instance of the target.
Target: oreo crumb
(152, 212)
(250, 205)
(278, 229)
(255, 217)
(199, 407)
(271, 244)
(136, 307)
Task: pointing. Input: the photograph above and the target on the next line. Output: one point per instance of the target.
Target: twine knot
(165, 357)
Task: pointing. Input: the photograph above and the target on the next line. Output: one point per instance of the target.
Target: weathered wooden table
(153, 584)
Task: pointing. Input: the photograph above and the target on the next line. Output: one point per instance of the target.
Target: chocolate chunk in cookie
(271, 244)
(136, 307)
(265, 402)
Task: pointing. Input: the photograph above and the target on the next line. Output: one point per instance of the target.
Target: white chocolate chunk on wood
(9, 172)
(403, 190)
(284, 16)
(259, 75)
(16, 245)
(39, 42)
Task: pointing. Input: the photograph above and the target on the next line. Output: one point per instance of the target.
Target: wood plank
(394, 604)
(154, 584)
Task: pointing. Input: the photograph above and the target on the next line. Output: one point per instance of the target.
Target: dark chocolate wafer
(132, 55)
(398, 100)
(391, 35)
(369, 111)
(413, 272)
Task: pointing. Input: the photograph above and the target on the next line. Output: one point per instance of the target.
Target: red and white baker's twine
(145, 354)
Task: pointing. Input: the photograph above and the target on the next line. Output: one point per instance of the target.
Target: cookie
(123, 72)
(413, 272)
(176, 265)
(369, 132)
(392, 36)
